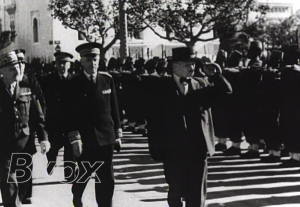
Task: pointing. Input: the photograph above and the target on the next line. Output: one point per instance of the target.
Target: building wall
(24, 17)
(68, 38)
(280, 9)
(49, 31)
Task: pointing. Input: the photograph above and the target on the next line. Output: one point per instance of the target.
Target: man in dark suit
(180, 126)
(25, 188)
(56, 94)
(94, 125)
(19, 107)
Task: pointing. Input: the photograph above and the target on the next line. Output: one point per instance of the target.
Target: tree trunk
(102, 52)
(191, 44)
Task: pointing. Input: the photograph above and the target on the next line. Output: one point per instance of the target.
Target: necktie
(184, 84)
(92, 80)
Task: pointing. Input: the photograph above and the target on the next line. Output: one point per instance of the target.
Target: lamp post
(123, 29)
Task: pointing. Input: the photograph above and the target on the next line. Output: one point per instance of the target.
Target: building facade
(37, 32)
(41, 35)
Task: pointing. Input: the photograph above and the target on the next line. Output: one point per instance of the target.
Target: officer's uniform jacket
(31, 82)
(171, 115)
(93, 110)
(15, 114)
(56, 95)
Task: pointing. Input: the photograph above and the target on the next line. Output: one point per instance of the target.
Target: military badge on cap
(8, 58)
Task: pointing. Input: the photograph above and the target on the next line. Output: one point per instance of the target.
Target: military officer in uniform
(25, 188)
(180, 128)
(18, 107)
(94, 125)
(56, 94)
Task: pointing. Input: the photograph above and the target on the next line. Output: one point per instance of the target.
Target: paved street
(232, 182)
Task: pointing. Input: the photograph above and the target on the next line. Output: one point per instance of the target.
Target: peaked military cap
(64, 56)
(255, 45)
(8, 58)
(90, 48)
(21, 55)
(183, 54)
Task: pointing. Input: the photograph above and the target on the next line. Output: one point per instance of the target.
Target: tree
(276, 33)
(286, 31)
(190, 20)
(91, 18)
(6, 38)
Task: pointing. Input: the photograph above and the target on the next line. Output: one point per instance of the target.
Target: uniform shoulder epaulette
(105, 73)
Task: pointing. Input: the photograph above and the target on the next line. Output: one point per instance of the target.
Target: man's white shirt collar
(88, 76)
(183, 87)
(63, 75)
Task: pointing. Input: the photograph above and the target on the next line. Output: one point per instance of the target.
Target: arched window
(35, 30)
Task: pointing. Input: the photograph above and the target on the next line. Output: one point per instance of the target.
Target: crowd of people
(262, 108)
(183, 104)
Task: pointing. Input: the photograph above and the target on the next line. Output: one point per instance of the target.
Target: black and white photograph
(150, 103)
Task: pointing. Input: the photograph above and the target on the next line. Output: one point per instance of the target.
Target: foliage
(92, 18)
(283, 33)
(190, 20)
(276, 33)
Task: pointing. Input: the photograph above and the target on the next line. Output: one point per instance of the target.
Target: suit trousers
(9, 185)
(59, 139)
(105, 187)
(186, 173)
(25, 187)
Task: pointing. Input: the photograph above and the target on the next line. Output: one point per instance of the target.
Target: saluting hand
(211, 69)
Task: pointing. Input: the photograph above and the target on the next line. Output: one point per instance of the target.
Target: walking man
(180, 126)
(18, 108)
(94, 126)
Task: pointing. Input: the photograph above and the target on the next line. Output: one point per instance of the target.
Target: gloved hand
(45, 146)
(118, 145)
(77, 148)
(211, 69)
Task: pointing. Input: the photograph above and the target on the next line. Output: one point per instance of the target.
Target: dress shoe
(232, 151)
(26, 201)
(262, 146)
(140, 131)
(130, 128)
(220, 147)
(251, 154)
(270, 159)
(285, 153)
(290, 163)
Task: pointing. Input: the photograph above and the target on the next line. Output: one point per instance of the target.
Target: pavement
(232, 182)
